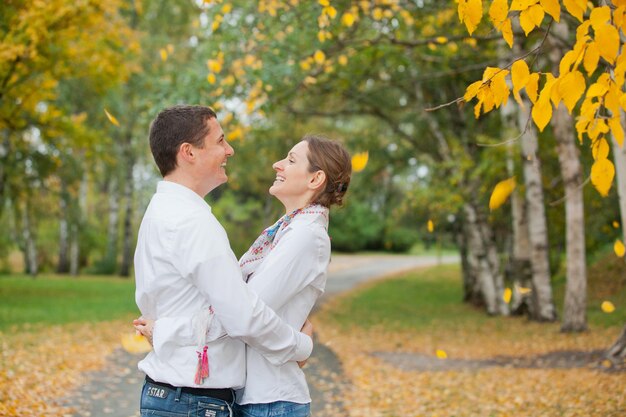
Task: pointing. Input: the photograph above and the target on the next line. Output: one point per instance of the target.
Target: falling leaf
(507, 295)
(619, 248)
(359, 161)
(134, 343)
(501, 193)
(607, 307)
(112, 118)
(441, 354)
(430, 226)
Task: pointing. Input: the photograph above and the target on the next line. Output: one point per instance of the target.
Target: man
(184, 267)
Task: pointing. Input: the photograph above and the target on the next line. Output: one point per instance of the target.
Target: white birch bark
(543, 308)
(574, 313)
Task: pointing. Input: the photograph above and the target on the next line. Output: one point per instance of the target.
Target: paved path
(114, 391)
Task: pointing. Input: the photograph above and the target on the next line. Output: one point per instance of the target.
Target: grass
(431, 298)
(59, 300)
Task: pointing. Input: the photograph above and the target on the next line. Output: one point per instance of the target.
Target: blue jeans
(275, 409)
(159, 401)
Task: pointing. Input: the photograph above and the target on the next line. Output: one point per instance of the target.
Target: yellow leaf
(359, 161)
(498, 11)
(524, 290)
(599, 17)
(470, 13)
(319, 57)
(163, 54)
(343, 60)
(532, 86)
(526, 21)
(615, 224)
(378, 14)
(308, 80)
(441, 39)
(607, 38)
(507, 32)
(536, 14)
(500, 88)
(321, 36)
(617, 129)
(211, 78)
(574, 9)
(507, 295)
(501, 193)
(227, 8)
(571, 88)
(441, 354)
(134, 343)
(347, 19)
(552, 7)
(111, 118)
(597, 90)
(330, 11)
(602, 173)
(619, 248)
(520, 74)
(607, 307)
(472, 90)
(521, 4)
(324, 3)
(592, 56)
(600, 149)
(430, 226)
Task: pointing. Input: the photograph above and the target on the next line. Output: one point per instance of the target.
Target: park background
(491, 129)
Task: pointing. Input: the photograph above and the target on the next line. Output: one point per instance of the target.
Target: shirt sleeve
(298, 260)
(206, 259)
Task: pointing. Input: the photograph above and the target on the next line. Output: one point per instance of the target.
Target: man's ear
(186, 152)
(317, 181)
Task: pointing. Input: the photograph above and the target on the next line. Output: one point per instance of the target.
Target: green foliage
(355, 228)
(55, 300)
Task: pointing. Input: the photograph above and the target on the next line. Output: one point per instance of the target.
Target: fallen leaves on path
(41, 364)
(379, 388)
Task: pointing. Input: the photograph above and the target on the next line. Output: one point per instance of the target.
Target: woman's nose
(277, 165)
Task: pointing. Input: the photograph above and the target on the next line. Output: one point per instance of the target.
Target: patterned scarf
(267, 240)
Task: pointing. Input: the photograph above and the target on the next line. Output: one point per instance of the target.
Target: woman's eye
(291, 161)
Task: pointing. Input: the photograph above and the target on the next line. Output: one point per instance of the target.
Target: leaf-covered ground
(41, 364)
(408, 347)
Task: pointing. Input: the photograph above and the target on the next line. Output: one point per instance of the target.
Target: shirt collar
(169, 187)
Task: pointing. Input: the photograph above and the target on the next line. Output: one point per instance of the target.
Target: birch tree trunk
(30, 248)
(518, 268)
(543, 309)
(575, 309)
(74, 250)
(110, 259)
(619, 158)
(617, 353)
(63, 265)
(127, 246)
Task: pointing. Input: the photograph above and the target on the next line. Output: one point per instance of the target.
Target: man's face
(212, 157)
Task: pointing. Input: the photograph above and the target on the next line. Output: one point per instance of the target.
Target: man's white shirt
(184, 264)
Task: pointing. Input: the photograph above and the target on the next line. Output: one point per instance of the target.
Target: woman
(287, 266)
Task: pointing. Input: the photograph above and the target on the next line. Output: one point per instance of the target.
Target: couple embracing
(229, 337)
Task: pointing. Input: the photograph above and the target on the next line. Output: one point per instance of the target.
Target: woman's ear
(317, 181)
